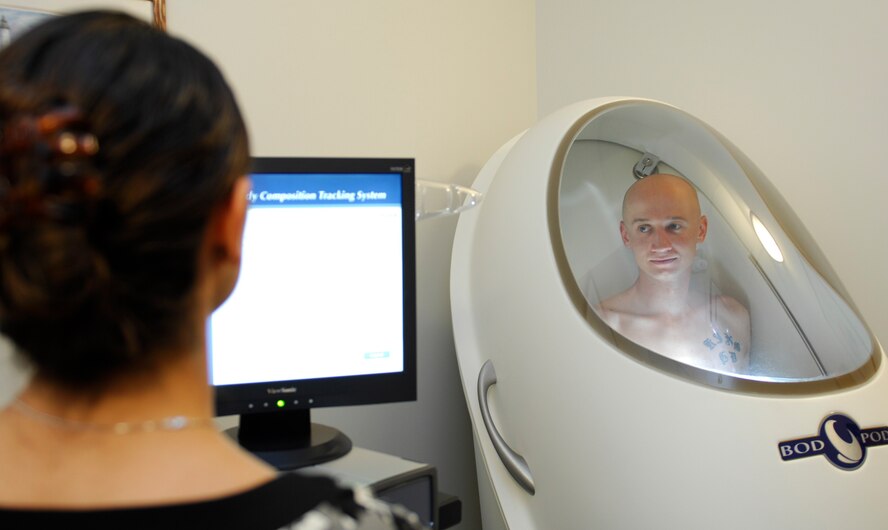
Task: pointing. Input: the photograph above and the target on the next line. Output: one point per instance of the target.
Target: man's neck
(663, 297)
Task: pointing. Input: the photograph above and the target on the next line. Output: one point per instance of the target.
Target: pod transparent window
(734, 288)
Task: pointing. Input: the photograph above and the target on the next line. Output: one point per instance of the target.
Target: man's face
(662, 225)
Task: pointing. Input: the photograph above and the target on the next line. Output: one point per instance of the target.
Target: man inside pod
(662, 225)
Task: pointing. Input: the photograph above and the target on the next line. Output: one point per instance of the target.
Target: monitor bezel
(346, 390)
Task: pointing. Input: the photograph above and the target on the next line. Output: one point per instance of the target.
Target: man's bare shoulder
(612, 309)
(731, 308)
(619, 303)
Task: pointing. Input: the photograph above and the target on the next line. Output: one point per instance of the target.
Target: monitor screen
(323, 313)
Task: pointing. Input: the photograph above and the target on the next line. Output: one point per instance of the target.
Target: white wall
(444, 82)
(798, 87)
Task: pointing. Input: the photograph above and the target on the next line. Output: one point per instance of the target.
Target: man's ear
(227, 228)
(624, 233)
(704, 226)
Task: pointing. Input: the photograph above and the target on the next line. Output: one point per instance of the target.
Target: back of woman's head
(117, 142)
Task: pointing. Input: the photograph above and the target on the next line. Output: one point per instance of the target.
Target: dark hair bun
(118, 141)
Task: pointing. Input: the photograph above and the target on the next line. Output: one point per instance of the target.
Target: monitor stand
(288, 439)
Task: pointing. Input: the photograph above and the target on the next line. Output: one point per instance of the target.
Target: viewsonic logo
(840, 440)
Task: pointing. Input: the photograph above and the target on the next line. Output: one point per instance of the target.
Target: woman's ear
(227, 228)
(224, 243)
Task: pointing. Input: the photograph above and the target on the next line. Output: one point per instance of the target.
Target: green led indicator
(280, 403)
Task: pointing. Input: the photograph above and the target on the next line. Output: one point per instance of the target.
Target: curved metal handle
(515, 463)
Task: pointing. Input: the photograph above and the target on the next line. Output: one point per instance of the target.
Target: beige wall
(444, 82)
(798, 87)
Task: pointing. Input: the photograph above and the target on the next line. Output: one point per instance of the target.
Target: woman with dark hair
(122, 205)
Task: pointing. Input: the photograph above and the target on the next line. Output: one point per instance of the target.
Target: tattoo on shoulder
(725, 344)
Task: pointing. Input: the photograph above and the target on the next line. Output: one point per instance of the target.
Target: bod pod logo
(840, 440)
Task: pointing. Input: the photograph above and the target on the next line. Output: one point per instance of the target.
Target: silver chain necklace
(168, 424)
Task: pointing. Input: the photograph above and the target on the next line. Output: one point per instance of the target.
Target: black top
(281, 503)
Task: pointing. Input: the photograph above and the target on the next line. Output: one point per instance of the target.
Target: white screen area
(319, 295)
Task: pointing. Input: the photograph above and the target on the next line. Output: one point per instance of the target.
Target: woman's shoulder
(337, 507)
(363, 511)
(290, 501)
(309, 502)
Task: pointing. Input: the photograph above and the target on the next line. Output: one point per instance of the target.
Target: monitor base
(288, 440)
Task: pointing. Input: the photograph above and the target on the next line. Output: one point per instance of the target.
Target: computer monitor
(324, 311)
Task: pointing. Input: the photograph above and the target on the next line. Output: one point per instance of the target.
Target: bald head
(664, 189)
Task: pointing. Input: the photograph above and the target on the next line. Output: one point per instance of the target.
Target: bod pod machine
(760, 404)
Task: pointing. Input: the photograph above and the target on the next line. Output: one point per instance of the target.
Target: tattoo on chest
(725, 345)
